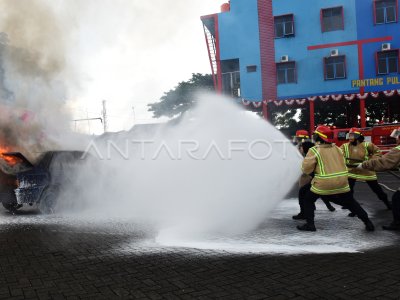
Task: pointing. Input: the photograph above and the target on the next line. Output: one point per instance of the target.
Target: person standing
(357, 151)
(330, 180)
(305, 183)
(387, 162)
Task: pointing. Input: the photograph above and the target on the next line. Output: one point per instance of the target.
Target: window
(231, 77)
(335, 67)
(332, 19)
(342, 135)
(385, 11)
(387, 62)
(284, 26)
(251, 68)
(286, 72)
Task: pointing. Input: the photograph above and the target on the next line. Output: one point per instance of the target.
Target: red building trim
(218, 56)
(349, 43)
(267, 49)
(312, 116)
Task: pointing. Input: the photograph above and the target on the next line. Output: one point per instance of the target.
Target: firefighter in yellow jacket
(387, 162)
(357, 151)
(330, 180)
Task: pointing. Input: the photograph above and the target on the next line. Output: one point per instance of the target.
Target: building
(285, 52)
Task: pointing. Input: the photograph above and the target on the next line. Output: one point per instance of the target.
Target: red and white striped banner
(362, 97)
(350, 97)
(375, 95)
(389, 93)
(257, 104)
(301, 101)
(289, 102)
(246, 102)
(336, 97)
(324, 98)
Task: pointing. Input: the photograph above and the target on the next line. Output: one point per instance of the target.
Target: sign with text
(359, 83)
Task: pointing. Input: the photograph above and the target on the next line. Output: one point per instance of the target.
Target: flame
(12, 161)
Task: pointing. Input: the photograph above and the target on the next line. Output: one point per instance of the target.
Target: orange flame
(12, 161)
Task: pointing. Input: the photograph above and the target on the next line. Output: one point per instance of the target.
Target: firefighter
(301, 137)
(330, 181)
(305, 183)
(387, 162)
(357, 151)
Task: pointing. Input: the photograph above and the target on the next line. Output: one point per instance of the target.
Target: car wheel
(48, 201)
(9, 202)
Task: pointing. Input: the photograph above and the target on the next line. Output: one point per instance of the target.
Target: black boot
(388, 204)
(369, 226)
(300, 216)
(307, 227)
(395, 225)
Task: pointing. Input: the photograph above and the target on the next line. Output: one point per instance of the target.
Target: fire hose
(381, 184)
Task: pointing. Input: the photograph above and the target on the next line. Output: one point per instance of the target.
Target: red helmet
(354, 133)
(302, 134)
(324, 132)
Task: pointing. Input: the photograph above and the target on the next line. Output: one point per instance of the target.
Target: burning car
(24, 183)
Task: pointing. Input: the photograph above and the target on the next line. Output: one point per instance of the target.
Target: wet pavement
(58, 257)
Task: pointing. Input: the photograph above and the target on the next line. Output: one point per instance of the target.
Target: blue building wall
(239, 38)
(366, 29)
(310, 66)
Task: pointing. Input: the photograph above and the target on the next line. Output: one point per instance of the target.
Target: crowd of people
(331, 172)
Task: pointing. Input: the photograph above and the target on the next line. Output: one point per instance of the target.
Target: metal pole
(105, 121)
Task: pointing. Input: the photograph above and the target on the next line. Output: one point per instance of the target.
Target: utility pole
(104, 113)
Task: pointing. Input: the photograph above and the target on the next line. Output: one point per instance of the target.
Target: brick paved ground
(56, 261)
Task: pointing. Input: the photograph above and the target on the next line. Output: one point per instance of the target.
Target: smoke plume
(32, 76)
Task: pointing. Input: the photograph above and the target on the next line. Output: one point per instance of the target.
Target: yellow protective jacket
(387, 162)
(356, 155)
(328, 164)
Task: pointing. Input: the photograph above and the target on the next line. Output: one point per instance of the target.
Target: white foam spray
(241, 169)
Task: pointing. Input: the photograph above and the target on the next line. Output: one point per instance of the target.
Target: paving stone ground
(54, 261)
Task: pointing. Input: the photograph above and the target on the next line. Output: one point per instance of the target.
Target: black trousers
(345, 199)
(302, 198)
(396, 206)
(374, 186)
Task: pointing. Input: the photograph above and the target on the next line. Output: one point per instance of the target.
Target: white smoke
(215, 188)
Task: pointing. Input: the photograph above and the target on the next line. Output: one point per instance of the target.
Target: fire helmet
(324, 132)
(301, 137)
(395, 133)
(302, 134)
(354, 133)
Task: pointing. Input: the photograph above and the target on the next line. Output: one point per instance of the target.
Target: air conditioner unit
(385, 46)
(334, 52)
(284, 58)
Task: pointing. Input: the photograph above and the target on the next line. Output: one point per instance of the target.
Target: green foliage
(178, 100)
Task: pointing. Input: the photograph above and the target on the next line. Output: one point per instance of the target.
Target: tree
(178, 100)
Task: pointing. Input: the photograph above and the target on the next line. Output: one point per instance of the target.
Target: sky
(129, 52)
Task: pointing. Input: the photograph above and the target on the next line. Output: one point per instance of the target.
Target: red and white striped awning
(338, 97)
